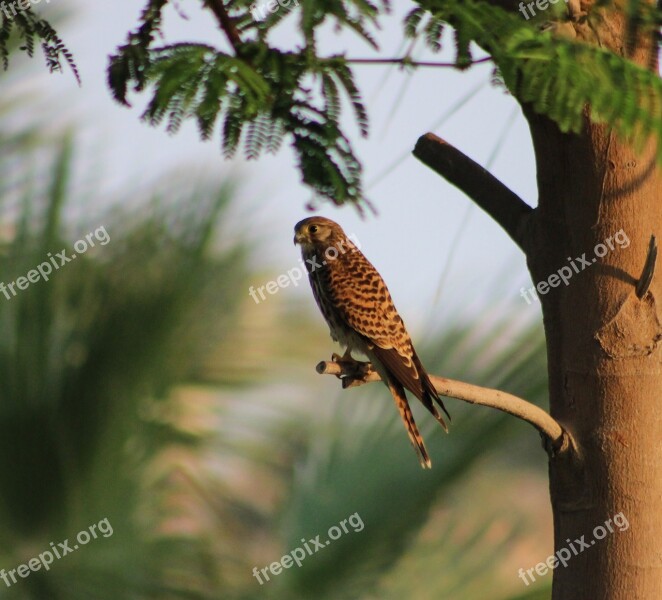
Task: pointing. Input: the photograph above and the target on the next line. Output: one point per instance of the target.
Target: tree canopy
(258, 93)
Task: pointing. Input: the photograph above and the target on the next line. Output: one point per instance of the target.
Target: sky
(438, 253)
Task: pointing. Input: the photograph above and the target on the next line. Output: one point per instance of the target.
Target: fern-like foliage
(259, 94)
(356, 15)
(558, 77)
(30, 30)
(420, 22)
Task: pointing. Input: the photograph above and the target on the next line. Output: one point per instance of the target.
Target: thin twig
(495, 198)
(406, 61)
(357, 373)
(226, 23)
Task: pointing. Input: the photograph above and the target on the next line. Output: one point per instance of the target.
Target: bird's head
(317, 232)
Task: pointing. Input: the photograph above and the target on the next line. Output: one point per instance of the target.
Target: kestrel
(361, 316)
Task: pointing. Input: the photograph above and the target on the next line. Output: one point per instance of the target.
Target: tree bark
(604, 361)
(602, 328)
(604, 366)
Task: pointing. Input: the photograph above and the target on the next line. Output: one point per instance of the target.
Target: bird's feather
(407, 417)
(411, 374)
(358, 308)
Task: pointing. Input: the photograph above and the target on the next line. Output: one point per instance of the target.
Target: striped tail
(407, 417)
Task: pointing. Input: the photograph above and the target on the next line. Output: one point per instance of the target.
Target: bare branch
(355, 373)
(406, 61)
(226, 23)
(497, 200)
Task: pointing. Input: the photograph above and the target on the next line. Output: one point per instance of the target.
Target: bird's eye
(313, 229)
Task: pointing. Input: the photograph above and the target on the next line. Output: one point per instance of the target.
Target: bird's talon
(345, 359)
(336, 295)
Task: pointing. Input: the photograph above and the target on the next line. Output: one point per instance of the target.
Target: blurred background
(142, 384)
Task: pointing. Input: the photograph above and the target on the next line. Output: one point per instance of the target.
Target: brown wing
(413, 377)
(362, 300)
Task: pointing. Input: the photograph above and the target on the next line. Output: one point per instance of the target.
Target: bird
(362, 317)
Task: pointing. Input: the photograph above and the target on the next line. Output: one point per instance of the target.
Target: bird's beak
(298, 238)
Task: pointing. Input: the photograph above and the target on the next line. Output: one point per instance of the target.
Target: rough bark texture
(603, 346)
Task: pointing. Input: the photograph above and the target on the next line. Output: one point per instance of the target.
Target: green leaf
(560, 77)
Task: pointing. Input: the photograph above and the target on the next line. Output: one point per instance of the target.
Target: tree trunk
(605, 374)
